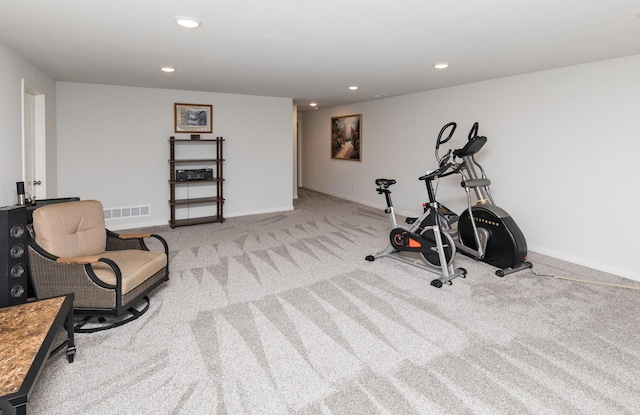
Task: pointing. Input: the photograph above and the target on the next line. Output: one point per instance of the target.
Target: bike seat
(385, 182)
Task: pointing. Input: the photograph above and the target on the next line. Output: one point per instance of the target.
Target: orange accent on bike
(414, 244)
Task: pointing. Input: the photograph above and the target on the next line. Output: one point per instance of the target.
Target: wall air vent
(126, 212)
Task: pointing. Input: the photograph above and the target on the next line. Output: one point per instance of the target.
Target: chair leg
(133, 315)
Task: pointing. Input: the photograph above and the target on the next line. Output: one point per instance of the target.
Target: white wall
(113, 146)
(13, 69)
(294, 134)
(561, 155)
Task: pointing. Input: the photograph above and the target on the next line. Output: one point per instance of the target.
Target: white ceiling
(313, 50)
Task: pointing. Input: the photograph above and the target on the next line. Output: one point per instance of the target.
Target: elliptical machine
(485, 231)
(427, 234)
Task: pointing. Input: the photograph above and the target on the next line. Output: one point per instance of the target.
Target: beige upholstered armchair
(72, 251)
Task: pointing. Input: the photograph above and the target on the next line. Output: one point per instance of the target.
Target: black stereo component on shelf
(13, 250)
(194, 174)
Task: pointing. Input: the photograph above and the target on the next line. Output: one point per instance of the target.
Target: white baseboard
(258, 212)
(626, 273)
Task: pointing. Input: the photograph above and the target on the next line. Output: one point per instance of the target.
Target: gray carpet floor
(280, 314)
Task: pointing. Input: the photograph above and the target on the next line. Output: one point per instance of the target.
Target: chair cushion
(71, 229)
(136, 266)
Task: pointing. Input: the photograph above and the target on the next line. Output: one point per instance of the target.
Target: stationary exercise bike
(484, 231)
(427, 235)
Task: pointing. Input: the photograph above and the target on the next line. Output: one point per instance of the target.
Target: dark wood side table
(27, 333)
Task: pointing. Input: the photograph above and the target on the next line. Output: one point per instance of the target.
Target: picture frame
(346, 137)
(192, 118)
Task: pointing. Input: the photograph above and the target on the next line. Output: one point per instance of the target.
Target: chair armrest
(116, 241)
(52, 275)
(165, 246)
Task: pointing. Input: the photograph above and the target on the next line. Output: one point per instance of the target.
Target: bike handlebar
(439, 172)
(442, 170)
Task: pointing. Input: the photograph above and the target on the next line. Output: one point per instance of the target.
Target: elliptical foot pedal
(507, 271)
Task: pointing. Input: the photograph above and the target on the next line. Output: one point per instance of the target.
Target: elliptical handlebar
(440, 140)
(473, 145)
(474, 131)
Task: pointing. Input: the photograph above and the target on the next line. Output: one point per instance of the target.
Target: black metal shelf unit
(215, 201)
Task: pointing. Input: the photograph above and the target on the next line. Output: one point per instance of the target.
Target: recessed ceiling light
(188, 22)
(441, 65)
(167, 69)
(353, 87)
(313, 104)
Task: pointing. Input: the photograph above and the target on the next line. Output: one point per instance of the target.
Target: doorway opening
(34, 162)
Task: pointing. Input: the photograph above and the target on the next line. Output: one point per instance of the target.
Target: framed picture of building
(346, 137)
(191, 118)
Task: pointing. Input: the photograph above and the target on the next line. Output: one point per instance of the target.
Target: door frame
(40, 135)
